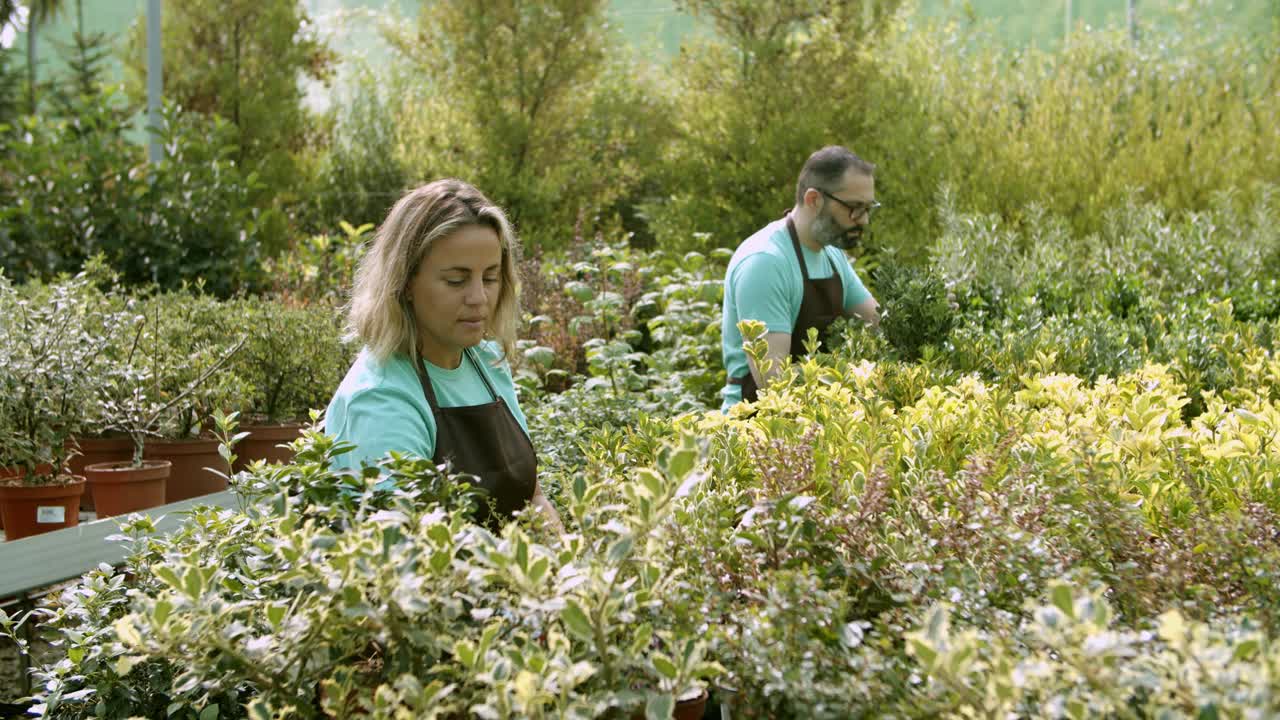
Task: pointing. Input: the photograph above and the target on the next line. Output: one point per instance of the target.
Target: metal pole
(155, 81)
(31, 61)
(1133, 20)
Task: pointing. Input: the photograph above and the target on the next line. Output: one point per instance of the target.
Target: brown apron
(485, 441)
(822, 303)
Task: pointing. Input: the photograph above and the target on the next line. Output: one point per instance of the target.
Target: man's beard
(826, 231)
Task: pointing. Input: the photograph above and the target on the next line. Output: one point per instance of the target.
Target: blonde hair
(381, 314)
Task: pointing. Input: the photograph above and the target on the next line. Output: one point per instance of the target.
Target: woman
(435, 304)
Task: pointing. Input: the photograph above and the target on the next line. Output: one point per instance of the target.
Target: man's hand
(779, 350)
(868, 311)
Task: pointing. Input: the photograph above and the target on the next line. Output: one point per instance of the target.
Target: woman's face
(455, 293)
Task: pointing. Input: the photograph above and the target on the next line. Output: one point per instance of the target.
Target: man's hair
(381, 314)
(826, 168)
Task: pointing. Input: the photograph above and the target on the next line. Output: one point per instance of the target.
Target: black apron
(485, 441)
(822, 303)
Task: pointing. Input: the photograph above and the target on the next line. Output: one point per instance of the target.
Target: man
(793, 274)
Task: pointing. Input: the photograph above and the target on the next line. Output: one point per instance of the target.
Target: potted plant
(48, 350)
(148, 393)
(93, 444)
(291, 364)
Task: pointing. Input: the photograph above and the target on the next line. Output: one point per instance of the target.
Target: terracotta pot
(13, 472)
(119, 487)
(94, 450)
(34, 509)
(190, 476)
(691, 709)
(263, 444)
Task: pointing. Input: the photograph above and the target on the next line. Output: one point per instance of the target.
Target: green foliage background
(565, 114)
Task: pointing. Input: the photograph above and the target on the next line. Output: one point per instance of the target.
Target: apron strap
(804, 267)
(479, 371)
(430, 392)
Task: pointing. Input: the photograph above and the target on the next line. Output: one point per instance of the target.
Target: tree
(39, 12)
(85, 55)
(545, 103)
(776, 81)
(241, 60)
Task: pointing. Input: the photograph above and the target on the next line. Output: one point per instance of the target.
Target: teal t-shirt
(380, 406)
(763, 282)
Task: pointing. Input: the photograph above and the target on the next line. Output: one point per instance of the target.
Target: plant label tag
(50, 514)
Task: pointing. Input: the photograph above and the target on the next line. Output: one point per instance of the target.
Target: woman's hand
(541, 502)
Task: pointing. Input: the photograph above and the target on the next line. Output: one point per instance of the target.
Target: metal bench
(35, 563)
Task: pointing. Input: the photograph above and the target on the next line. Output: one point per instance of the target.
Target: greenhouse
(672, 359)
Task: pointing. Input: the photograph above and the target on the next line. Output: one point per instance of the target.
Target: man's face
(843, 216)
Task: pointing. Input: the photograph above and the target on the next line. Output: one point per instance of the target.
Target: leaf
(275, 614)
(465, 652)
(210, 712)
(1245, 650)
(923, 652)
(851, 634)
(541, 356)
(538, 570)
(651, 482)
(438, 534)
(575, 620)
(522, 555)
(258, 710)
(160, 613)
(439, 561)
(1173, 628)
(167, 575)
(126, 663)
(682, 462)
(1248, 417)
(641, 638)
(663, 665)
(620, 549)
(1061, 597)
(193, 582)
(660, 707)
(126, 631)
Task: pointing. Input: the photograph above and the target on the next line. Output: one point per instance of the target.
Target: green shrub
(241, 61)
(293, 360)
(70, 189)
(1172, 119)
(376, 598)
(318, 269)
(750, 108)
(360, 172)
(560, 126)
(917, 311)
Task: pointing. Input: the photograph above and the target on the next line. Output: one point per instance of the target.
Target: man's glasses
(856, 210)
